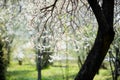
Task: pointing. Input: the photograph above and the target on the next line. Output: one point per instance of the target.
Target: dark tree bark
(105, 36)
(2, 62)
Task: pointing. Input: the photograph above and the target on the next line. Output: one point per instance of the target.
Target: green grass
(28, 72)
(24, 72)
(104, 74)
(58, 72)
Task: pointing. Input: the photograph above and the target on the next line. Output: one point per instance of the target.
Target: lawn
(56, 72)
(29, 72)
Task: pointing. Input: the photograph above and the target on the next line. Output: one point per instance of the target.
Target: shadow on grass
(27, 75)
(58, 77)
(18, 72)
(21, 75)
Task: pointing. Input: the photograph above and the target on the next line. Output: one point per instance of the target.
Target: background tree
(3, 61)
(7, 13)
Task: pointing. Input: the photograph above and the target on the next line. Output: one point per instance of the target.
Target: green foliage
(3, 61)
(46, 59)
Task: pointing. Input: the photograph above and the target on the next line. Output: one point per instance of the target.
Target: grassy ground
(28, 72)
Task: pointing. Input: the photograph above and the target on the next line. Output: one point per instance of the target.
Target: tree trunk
(2, 62)
(103, 40)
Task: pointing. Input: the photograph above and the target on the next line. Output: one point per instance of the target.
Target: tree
(2, 61)
(103, 11)
(7, 13)
(105, 36)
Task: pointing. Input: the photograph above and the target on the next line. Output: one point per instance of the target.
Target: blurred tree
(7, 13)
(3, 63)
